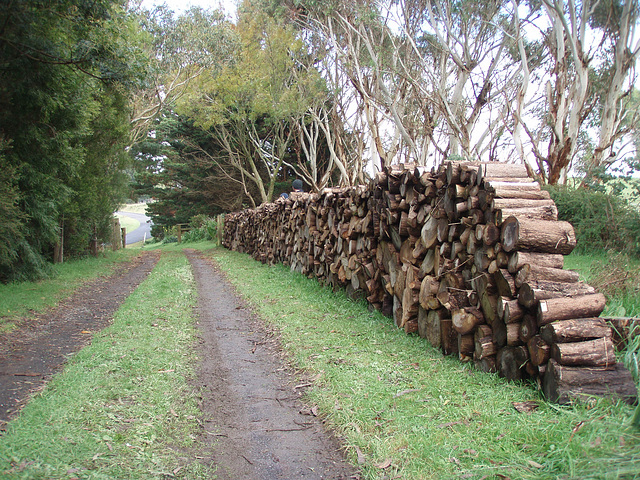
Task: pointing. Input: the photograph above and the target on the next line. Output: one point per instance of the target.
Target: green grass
(405, 411)
(615, 275)
(21, 299)
(123, 406)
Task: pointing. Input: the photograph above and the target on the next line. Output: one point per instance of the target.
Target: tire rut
(253, 421)
(39, 347)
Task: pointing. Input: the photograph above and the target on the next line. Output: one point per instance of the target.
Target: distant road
(138, 234)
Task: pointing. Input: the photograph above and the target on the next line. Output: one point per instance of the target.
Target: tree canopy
(65, 71)
(215, 115)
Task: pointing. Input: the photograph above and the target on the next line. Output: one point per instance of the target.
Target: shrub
(170, 239)
(601, 221)
(202, 228)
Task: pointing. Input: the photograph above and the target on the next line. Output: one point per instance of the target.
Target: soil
(38, 348)
(255, 425)
(255, 421)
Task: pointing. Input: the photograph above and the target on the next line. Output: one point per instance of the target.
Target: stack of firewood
(469, 257)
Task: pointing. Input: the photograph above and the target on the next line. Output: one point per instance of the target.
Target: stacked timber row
(469, 257)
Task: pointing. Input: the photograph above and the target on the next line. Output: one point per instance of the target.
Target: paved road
(138, 234)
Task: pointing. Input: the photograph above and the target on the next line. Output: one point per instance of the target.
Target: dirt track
(255, 425)
(252, 404)
(30, 354)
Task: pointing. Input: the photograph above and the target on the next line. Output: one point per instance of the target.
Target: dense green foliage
(601, 221)
(179, 168)
(65, 70)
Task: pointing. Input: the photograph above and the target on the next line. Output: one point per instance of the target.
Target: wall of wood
(469, 257)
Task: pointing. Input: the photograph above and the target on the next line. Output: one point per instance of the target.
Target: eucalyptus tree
(432, 79)
(255, 105)
(179, 48)
(585, 69)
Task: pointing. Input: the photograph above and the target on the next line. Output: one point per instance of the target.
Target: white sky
(228, 6)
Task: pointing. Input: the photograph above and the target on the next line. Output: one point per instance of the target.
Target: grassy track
(19, 299)
(122, 408)
(405, 411)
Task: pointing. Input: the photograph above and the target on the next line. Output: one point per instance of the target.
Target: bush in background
(601, 221)
(202, 228)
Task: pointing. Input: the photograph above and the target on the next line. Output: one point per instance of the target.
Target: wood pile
(469, 257)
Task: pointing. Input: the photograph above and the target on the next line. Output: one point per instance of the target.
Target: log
(591, 353)
(530, 191)
(531, 293)
(528, 327)
(536, 273)
(410, 308)
(429, 232)
(434, 327)
(539, 350)
(566, 308)
(466, 347)
(465, 320)
(522, 203)
(544, 212)
(422, 322)
(491, 170)
(487, 364)
(449, 337)
(575, 330)
(537, 235)
(564, 384)
(513, 334)
(484, 347)
(509, 310)
(511, 362)
(505, 283)
(428, 290)
(624, 329)
(518, 259)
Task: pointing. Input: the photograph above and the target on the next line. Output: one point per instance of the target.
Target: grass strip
(123, 406)
(405, 411)
(21, 299)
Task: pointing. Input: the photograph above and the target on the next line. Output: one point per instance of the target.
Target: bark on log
(536, 273)
(575, 330)
(518, 259)
(544, 212)
(566, 308)
(531, 293)
(537, 235)
(563, 384)
(591, 353)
